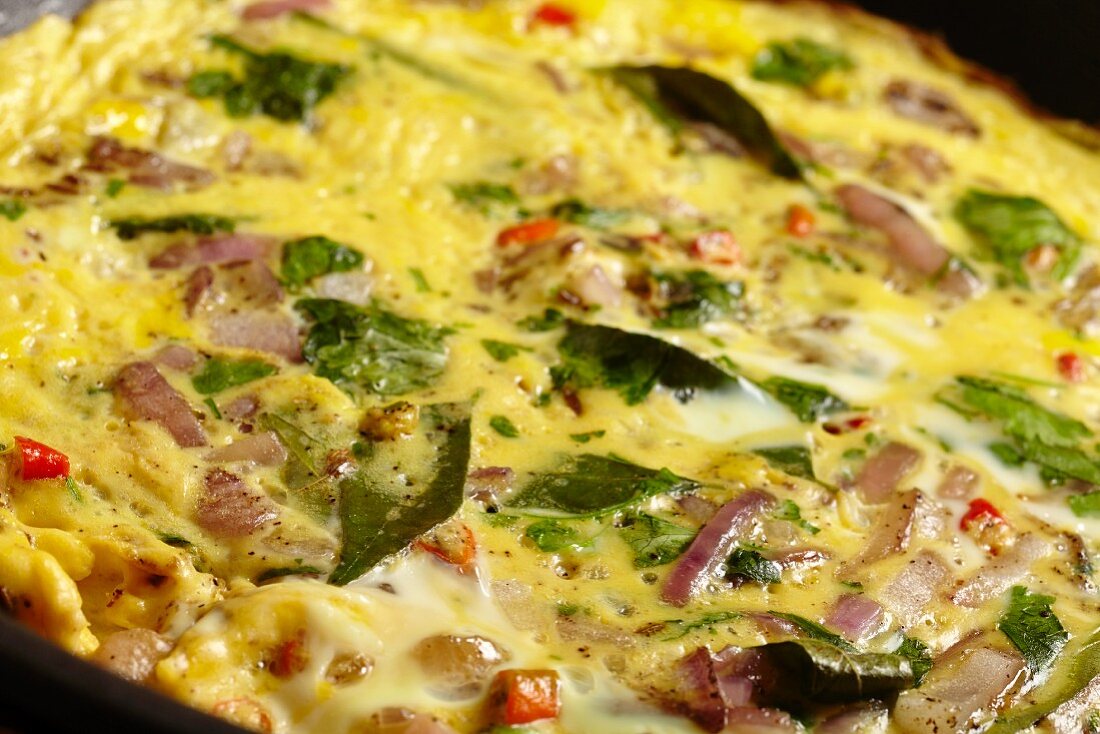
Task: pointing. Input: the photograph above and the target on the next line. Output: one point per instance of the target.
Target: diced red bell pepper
(290, 657)
(39, 461)
(800, 221)
(983, 513)
(716, 246)
(536, 230)
(521, 696)
(453, 544)
(555, 15)
(1071, 366)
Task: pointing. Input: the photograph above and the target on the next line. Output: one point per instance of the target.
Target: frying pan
(1050, 53)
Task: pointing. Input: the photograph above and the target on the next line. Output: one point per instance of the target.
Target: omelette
(616, 366)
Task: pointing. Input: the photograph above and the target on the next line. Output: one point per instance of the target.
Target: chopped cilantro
(502, 351)
(694, 298)
(806, 400)
(586, 437)
(793, 460)
(486, 197)
(1085, 505)
(551, 536)
(1033, 628)
(12, 209)
(815, 631)
(791, 512)
(654, 541)
(551, 319)
(420, 280)
(115, 187)
(678, 628)
(919, 656)
(220, 374)
(799, 62)
(576, 211)
(209, 403)
(505, 427)
(309, 257)
(750, 564)
(202, 224)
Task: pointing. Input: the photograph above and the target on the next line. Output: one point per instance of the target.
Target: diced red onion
(197, 286)
(856, 617)
(214, 250)
(595, 288)
(268, 9)
(712, 545)
(911, 591)
(891, 533)
(148, 169)
(354, 286)
(994, 578)
(132, 654)
(910, 244)
(229, 508)
(254, 283)
(271, 332)
(177, 357)
(931, 106)
(959, 483)
(242, 407)
(145, 395)
(882, 473)
(259, 448)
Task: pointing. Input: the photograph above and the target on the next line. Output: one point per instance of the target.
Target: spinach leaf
(306, 258)
(750, 564)
(277, 84)
(1085, 505)
(791, 512)
(815, 631)
(676, 93)
(632, 364)
(793, 460)
(12, 209)
(919, 656)
(502, 351)
(694, 298)
(654, 541)
(1032, 627)
(1014, 225)
(800, 62)
(220, 374)
(590, 485)
(576, 211)
(382, 509)
(806, 400)
(371, 348)
(814, 671)
(551, 536)
(202, 224)
(551, 319)
(1081, 665)
(504, 426)
(486, 197)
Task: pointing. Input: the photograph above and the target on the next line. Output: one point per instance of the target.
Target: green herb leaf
(793, 460)
(586, 437)
(632, 364)
(815, 631)
(12, 209)
(277, 84)
(694, 298)
(114, 187)
(576, 211)
(676, 93)
(420, 280)
(589, 485)
(502, 351)
(309, 257)
(800, 62)
(173, 539)
(278, 573)
(487, 197)
(382, 510)
(551, 536)
(806, 400)
(505, 427)
(1014, 225)
(678, 628)
(74, 489)
(551, 319)
(752, 565)
(815, 671)
(919, 656)
(221, 374)
(202, 224)
(791, 512)
(1085, 505)
(654, 541)
(209, 403)
(1032, 627)
(371, 348)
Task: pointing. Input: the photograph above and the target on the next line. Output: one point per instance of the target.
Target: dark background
(1051, 48)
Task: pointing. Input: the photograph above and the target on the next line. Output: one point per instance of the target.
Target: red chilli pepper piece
(1071, 366)
(716, 246)
(800, 221)
(39, 461)
(453, 544)
(521, 696)
(981, 512)
(555, 15)
(537, 230)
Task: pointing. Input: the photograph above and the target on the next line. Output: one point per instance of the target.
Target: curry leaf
(372, 348)
(277, 84)
(383, 509)
(793, 460)
(1033, 628)
(800, 61)
(220, 374)
(202, 224)
(306, 258)
(815, 671)
(750, 564)
(632, 364)
(654, 541)
(806, 400)
(675, 93)
(694, 298)
(589, 485)
(1014, 225)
